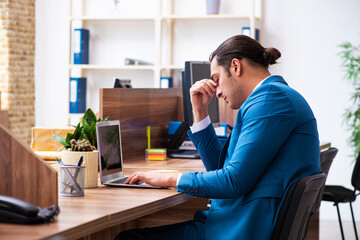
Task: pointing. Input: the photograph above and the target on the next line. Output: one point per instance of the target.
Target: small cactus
(81, 145)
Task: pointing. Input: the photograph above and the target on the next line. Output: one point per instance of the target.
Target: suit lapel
(229, 145)
(223, 153)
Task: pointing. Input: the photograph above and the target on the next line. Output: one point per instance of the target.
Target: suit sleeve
(267, 121)
(208, 146)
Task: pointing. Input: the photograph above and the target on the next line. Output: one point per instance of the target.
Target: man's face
(229, 88)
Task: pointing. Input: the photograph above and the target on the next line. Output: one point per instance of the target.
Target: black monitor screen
(110, 149)
(195, 71)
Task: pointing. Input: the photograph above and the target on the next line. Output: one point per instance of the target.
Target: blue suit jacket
(274, 142)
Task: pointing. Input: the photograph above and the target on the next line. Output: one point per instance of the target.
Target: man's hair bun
(240, 47)
(271, 55)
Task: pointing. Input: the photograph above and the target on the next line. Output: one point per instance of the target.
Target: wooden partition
(24, 175)
(136, 109)
(4, 118)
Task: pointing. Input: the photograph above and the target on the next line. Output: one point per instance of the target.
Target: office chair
(326, 159)
(295, 211)
(340, 194)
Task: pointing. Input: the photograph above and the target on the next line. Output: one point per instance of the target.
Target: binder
(165, 82)
(81, 46)
(77, 95)
(246, 31)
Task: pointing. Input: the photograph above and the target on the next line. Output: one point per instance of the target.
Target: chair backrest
(295, 211)
(355, 178)
(326, 159)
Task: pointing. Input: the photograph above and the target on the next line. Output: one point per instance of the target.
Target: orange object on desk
(44, 144)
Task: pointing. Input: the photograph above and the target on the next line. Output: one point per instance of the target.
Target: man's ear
(235, 66)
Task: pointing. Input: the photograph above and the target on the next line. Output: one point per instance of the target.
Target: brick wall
(17, 49)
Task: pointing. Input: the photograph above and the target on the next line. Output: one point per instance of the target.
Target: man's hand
(201, 93)
(154, 178)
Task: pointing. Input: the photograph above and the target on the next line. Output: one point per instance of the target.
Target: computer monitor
(195, 71)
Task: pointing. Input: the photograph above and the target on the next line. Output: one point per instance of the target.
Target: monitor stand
(178, 153)
(180, 135)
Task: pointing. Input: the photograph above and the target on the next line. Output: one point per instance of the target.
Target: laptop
(110, 156)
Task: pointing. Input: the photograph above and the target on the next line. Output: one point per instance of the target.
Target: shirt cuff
(197, 127)
(178, 179)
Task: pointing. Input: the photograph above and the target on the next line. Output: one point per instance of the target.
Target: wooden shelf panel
(173, 67)
(209, 17)
(86, 18)
(122, 67)
(167, 17)
(110, 67)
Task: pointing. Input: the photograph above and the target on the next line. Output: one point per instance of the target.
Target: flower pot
(91, 161)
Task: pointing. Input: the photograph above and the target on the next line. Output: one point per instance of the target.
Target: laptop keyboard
(121, 181)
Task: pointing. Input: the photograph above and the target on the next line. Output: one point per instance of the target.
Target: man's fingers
(205, 86)
(128, 179)
(133, 178)
(209, 85)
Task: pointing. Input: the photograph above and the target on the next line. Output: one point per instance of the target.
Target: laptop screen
(109, 145)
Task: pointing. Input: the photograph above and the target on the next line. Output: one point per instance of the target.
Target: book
(81, 46)
(165, 82)
(246, 31)
(77, 95)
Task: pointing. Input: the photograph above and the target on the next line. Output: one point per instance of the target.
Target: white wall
(306, 32)
(51, 62)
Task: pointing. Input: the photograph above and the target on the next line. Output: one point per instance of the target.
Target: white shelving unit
(163, 21)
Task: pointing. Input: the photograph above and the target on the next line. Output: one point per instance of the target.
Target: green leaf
(60, 139)
(75, 135)
(92, 134)
(350, 55)
(84, 131)
(60, 148)
(89, 117)
(69, 136)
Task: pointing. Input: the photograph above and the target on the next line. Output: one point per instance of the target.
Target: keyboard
(122, 181)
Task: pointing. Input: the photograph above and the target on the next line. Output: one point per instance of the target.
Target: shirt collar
(259, 84)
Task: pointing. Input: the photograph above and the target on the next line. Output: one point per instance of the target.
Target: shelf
(169, 17)
(112, 18)
(163, 23)
(172, 67)
(209, 17)
(109, 67)
(122, 67)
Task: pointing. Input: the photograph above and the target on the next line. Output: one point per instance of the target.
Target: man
(274, 142)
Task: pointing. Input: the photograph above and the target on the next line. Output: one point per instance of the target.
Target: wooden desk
(106, 211)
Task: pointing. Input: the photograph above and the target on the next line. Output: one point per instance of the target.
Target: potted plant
(351, 63)
(82, 142)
